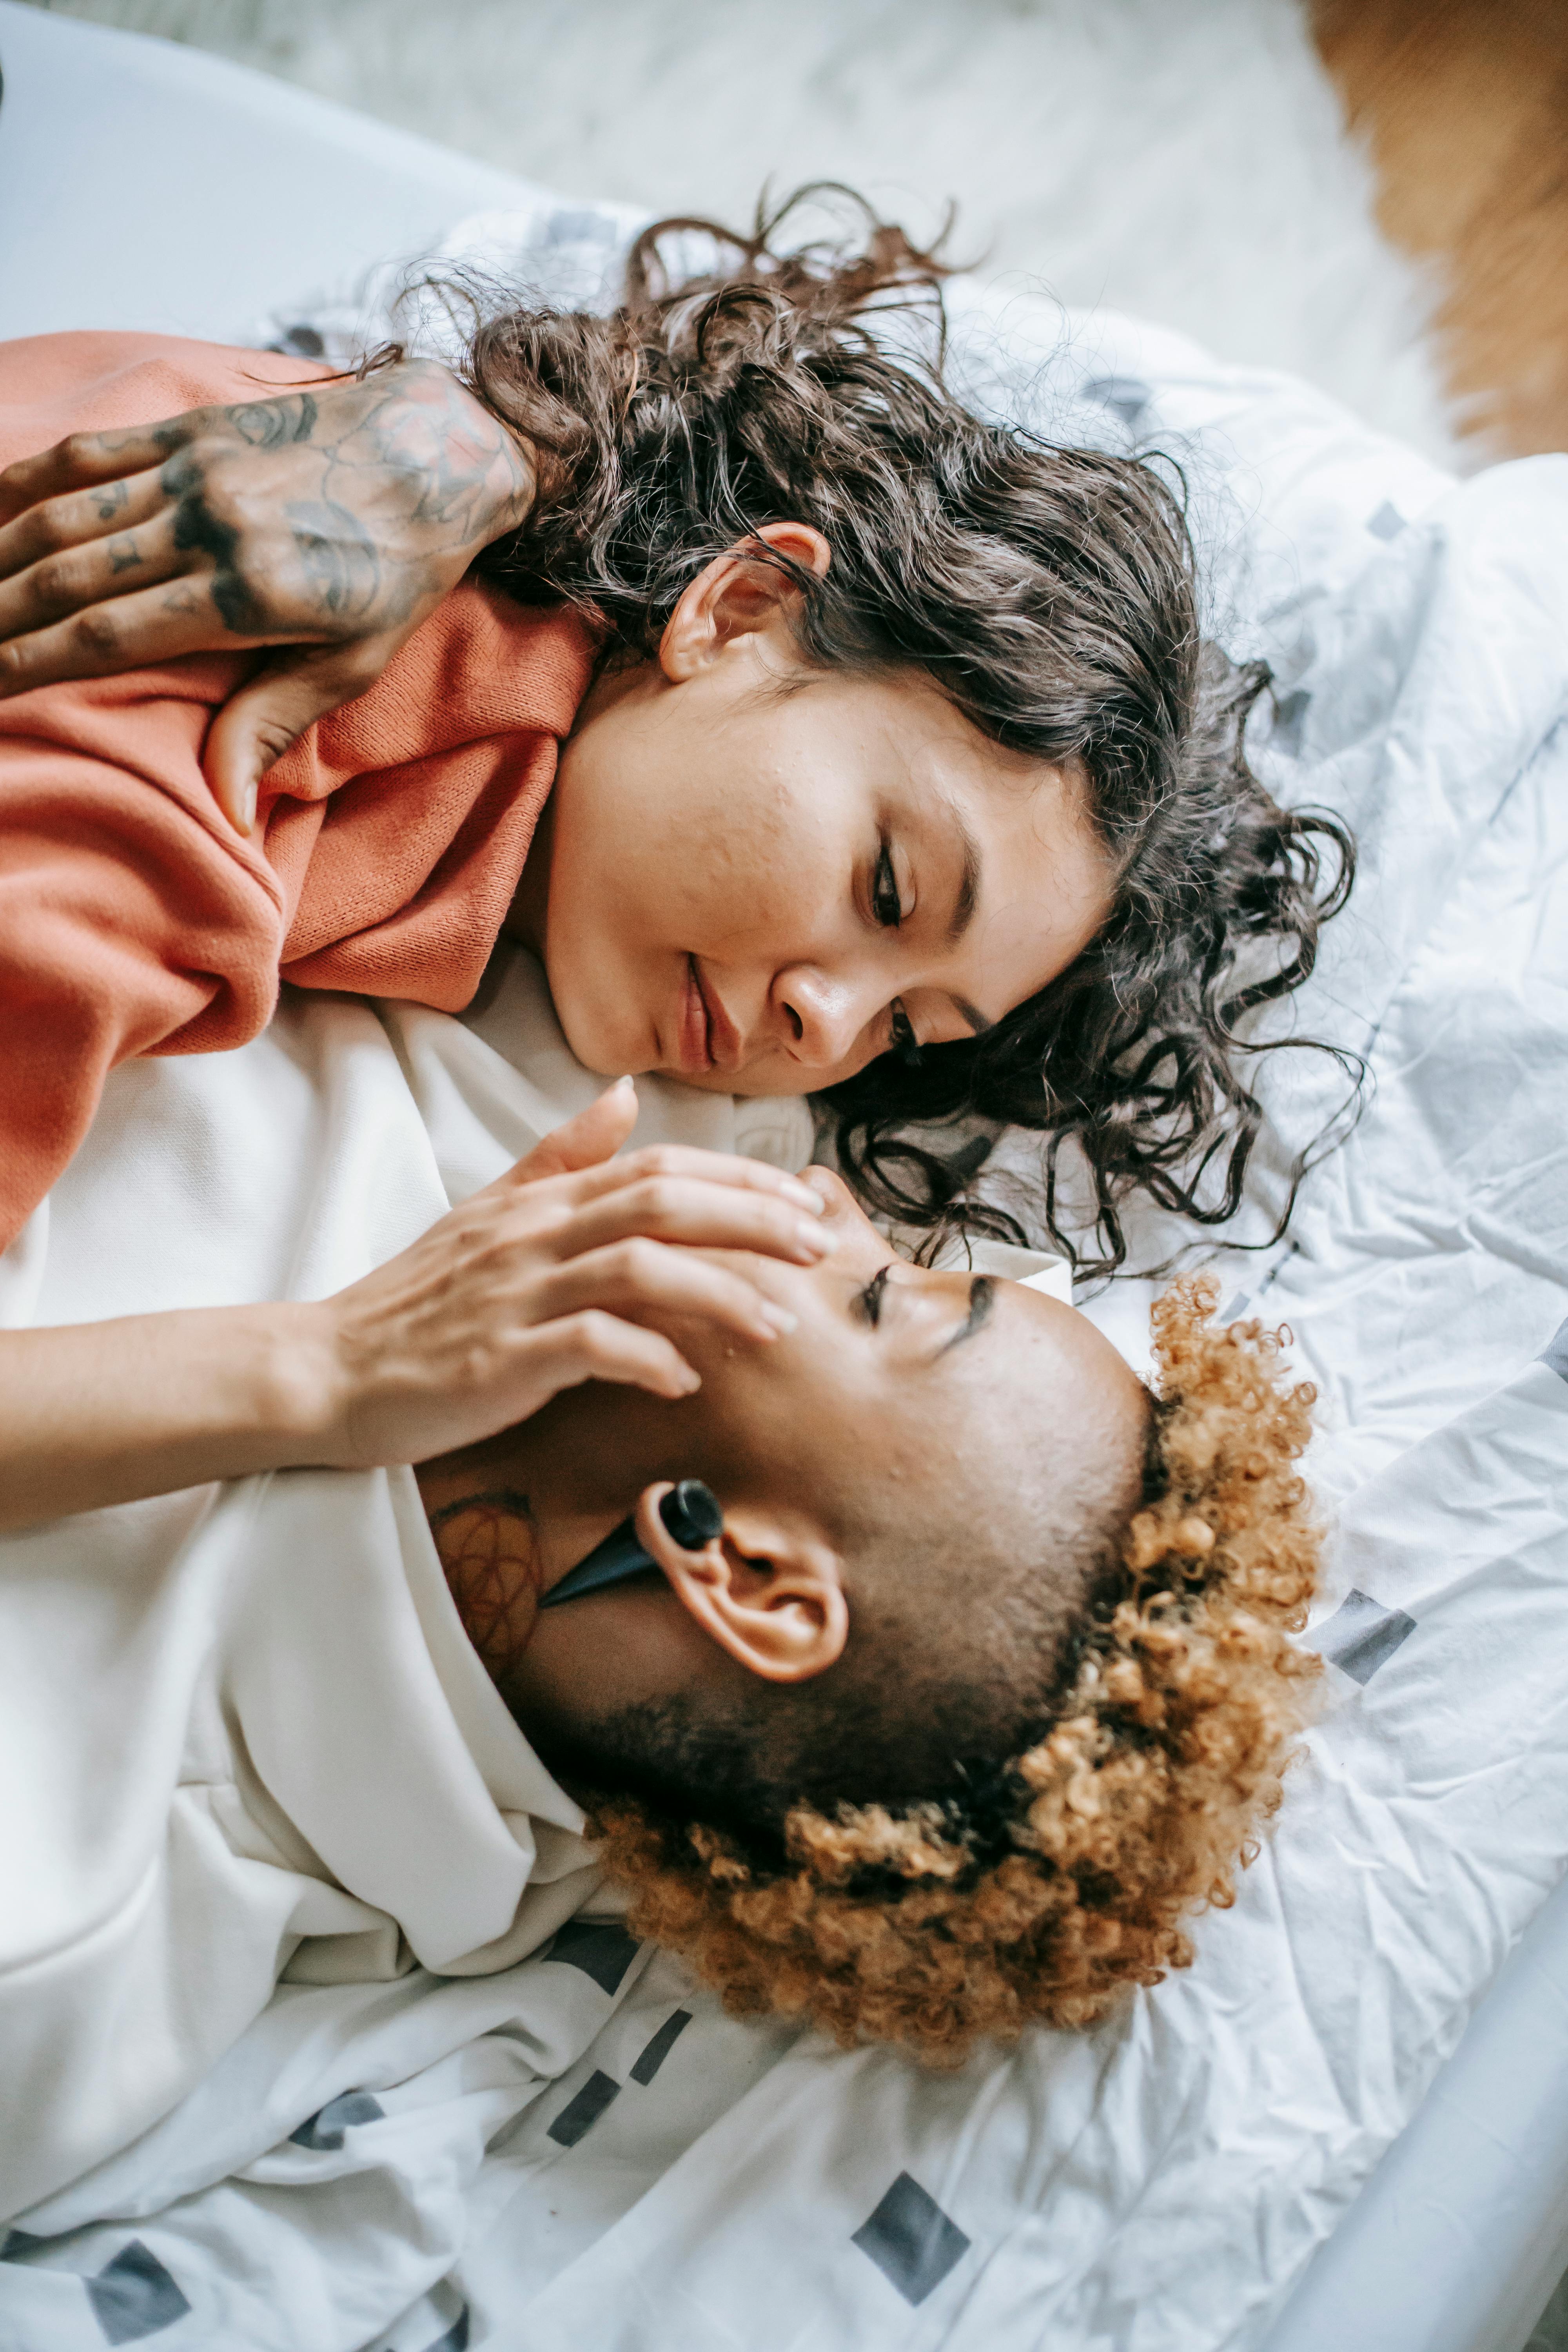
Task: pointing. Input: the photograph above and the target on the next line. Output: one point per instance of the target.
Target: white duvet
(579, 2150)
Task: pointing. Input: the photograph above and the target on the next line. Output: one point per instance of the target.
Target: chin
(716, 1082)
(597, 1047)
(769, 1082)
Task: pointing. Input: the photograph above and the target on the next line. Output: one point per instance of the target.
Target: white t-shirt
(242, 1731)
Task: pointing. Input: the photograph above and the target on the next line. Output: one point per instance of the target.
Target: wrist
(301, 1392)
(498, 459)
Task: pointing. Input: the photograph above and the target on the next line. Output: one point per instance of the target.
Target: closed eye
(886, 903)
(902, 1038)
(868, 1302)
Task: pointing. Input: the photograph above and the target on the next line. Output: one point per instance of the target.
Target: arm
(559, 1272)
(131, 919)
(330, 521)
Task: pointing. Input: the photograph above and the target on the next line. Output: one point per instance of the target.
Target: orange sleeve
(127, 923)
(133, 919)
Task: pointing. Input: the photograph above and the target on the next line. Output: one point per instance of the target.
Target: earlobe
(734, 597)
(768, 1591)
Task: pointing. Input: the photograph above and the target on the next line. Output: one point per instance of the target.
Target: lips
(709, 1038)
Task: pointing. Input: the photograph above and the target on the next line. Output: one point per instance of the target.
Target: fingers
(71, 550)
(584, 1142)
(272, 710)
(594, 1346)
(155, 626)
(677, 1161)
(84, 459)
(639, 1278)
(697, 1214)
(573, 1148)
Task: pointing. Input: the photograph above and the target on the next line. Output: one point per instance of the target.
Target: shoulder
(54, 384)
(479, 667)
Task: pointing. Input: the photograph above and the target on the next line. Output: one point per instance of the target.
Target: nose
(861, 1249)
(823, 1017)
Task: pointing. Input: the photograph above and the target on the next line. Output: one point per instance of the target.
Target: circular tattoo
(490, 1554)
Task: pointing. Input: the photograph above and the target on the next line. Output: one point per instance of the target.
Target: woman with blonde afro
(988, 1684)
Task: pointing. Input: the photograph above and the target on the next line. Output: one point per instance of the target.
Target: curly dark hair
(1048, 591)
(1041, 1891)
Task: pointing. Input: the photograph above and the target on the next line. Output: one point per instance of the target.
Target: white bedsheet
(637, 2183)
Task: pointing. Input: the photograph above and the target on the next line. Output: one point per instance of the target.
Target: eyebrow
(963, 908)
(982, 1298)
(968, 897)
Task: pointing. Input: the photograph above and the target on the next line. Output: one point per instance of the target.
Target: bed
(1347, 2125)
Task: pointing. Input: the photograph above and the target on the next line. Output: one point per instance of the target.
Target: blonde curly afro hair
(1038, 1896)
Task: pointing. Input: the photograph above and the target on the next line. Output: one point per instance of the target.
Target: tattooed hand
(331, 520)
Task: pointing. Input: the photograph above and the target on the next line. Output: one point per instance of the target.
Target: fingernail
(801, 1196)
(813, 1238)
(778, 1317)
(627, 1081)
(689, 1384)
(248, 808)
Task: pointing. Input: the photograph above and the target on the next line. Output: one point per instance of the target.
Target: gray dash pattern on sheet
(583, 2110)
(1387, 522)
(600, 1948)
(455, 2339)
(1237, 1304)
(1289, 716)
(1124, 395)
(911, 2240)
(133, 2295)
(326, 2128)
(659, 2048)
(1362, 1635)
(1555, 1352)
(579, 228)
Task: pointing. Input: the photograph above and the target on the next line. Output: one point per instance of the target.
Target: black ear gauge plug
(691, 1514)
(691, 1518)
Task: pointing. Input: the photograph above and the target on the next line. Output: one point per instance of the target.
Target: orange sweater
(134, 920)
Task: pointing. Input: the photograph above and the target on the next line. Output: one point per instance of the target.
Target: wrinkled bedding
(583, 2149)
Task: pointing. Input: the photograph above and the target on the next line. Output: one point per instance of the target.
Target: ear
(736, 595)
(769, 1589)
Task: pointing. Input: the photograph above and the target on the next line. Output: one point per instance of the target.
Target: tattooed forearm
(490, 1555)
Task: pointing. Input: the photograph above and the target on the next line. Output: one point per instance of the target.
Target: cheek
(809, 1413)
(720, 838)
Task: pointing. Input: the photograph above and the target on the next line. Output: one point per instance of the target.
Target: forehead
(900, 721)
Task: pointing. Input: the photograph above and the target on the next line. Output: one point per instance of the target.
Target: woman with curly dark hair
(903, 776)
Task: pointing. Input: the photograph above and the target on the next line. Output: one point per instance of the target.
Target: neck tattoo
(489, 1551)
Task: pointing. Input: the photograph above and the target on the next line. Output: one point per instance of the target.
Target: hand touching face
(888, 1372)
(900, 1397)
